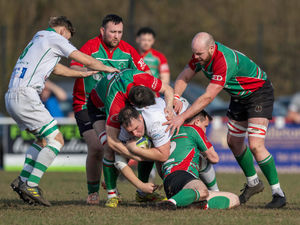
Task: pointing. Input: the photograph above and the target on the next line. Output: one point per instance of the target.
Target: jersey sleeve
(124, 136)
(199, 137)
(147, 80)
(62, 46)
(164, 66)
(193, 64)
(220, 70)
(85, 49)
(137, 61)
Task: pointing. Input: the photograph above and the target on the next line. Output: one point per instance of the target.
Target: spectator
(293, 114)
(51, 96)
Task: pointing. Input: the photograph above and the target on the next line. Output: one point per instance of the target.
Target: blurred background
(266, 31)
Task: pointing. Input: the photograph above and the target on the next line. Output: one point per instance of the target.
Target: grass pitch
(67, 193)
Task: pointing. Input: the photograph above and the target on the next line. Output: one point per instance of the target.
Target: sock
(268, 168)
(93, 186)
(245, 161)
(110, 178)
(185, 197)
(218, 202)
(43, 161)
(30, 158)
(208, 176)
(144, 170)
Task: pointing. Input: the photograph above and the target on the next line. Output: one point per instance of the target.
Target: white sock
(112, 193)
(252, 181)
(277, 190)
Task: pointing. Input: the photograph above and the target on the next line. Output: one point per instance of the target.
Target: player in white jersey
(149, 123)
(39, 59)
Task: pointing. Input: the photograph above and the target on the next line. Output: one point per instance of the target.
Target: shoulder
(195, 129)
(157, 53)
(124, 46)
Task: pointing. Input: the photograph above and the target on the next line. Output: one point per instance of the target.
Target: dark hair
(56, 21)
(202, 116)
(146, 30)
(141, 96)
(111, 18)
(126, 114)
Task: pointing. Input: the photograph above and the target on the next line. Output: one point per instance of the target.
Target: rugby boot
(248, 192)
(15, 185)
(166, 205)
(93, 199)
(277, 202)
(147, 197)
(35, 193)
(112, 202)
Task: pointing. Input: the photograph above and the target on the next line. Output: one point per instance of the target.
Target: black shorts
(83, 121)
(258, 104)
(94, 113)
(176, 181)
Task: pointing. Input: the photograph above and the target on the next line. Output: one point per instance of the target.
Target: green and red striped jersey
(121, 57)
(238, 74)
(185, 151)
(156, 61)
(111, 92)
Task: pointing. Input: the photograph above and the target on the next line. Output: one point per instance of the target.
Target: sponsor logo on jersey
(154, 84)
(114, 118)
(97, 76)
(217, 77)
(142, 64)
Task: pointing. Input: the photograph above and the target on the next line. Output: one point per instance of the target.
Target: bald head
(203, 40)
(203, 46)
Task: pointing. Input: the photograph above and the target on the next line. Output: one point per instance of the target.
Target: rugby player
(111, 50)
(39, 59)
(181, 177)
(105, 102)
(249, 111)
(156, 61)
(183, 153)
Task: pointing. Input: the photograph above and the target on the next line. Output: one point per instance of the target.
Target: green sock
(186, 197)
(93, 186)
(218, 202)
(268, 168)
(144, 170)
(110, 174)
(246, 163)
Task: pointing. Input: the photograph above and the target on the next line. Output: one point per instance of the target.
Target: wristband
(176, 97)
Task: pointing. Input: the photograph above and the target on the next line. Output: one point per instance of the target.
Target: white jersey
(39, 58)
(154, 117)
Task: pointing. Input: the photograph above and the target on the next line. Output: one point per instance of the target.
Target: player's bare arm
(204, 100)
(65, 71)
(180, 85)
(160, 153)
(168, 92)
(211, 155)
(91, 62)
(115, 144)
(165, 77)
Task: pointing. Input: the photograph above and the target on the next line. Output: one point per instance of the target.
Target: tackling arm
(62, 70)
(211, 155)
(160, 153)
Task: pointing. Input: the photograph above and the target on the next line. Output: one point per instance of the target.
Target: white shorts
(26, 108)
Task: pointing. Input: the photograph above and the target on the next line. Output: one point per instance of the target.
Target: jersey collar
(50, 29)
(145, 53)
(108, 51)
(213, 57)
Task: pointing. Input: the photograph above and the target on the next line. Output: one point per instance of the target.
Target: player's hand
(169, 113)
(177, 106)
(174, 124)
(148, 187)
(109, 69)
(88, 73)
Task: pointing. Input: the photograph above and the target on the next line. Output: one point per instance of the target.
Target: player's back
(38, 60)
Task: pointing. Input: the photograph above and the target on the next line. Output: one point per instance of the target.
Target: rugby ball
(143, 142)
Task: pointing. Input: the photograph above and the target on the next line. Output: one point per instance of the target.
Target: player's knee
(203, 193)
(95, 152)
(256, 147)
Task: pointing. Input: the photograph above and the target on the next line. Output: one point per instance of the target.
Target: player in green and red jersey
(156, 61)
(105, 102)
(181, 171)
(110, 50)
(250, 108)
